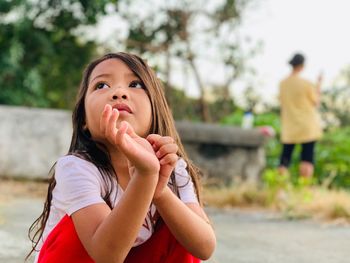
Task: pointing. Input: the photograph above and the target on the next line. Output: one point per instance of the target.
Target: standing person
(300, 121)
(126, 191)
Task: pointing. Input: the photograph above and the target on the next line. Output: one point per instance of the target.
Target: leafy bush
(332, 154)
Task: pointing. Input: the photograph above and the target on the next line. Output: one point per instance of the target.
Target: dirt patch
(10, 189)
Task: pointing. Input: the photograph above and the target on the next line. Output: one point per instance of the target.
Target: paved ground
(254, 237)
(243, 237)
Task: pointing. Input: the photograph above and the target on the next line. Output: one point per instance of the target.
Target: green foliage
(273, 180)
(265, 119)
(221, 108)
(41, 58)
(43, 50)
(183, 108)
(332, 153)
(333, 157)
(177, 31)
(336, 104)
(235, 118)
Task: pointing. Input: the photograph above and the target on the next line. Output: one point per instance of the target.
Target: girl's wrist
(151, 178)
(147, 171)
(161, 196)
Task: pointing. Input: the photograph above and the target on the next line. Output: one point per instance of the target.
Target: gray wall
(225, 154)
(32, 139)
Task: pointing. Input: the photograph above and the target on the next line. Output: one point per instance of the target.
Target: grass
(303, 200)
(294, 201)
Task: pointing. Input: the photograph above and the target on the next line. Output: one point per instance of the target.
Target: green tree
(41, 52)
(174, 31)
(335, 105)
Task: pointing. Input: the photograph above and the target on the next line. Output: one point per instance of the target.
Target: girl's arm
(188, 223)
(108, 235)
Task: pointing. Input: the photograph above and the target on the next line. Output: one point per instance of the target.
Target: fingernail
(106, 108)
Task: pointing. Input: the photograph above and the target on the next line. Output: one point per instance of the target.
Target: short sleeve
(184, 183)
(78, 184)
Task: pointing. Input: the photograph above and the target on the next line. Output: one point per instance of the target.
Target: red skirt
(63, 245)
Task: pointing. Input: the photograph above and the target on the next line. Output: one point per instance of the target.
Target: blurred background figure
(299, 99)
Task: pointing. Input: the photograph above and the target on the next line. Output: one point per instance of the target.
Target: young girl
(126, 191)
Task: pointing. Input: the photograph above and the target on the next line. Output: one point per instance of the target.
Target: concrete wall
(32, 139)
(225, 154)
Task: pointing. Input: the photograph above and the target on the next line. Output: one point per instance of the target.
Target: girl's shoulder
(72, 161)
(69, 165)
(78, 184)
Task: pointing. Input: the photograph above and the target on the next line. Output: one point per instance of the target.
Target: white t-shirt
(80, 184)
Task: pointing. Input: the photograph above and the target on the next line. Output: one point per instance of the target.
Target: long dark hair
(84, 147)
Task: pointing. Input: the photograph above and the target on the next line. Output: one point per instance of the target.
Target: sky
(316, 28)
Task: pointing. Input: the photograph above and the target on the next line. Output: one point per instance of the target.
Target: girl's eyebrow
(131, 74)
(107, 75)
(100, 76)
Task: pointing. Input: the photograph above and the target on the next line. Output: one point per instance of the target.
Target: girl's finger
(160, 141)
(119, 137)
(127, 144)
(166, 149)
(169, 159)
(111, 129)
(123, 128)
(105, 117)
(130, 130)
(153, 138)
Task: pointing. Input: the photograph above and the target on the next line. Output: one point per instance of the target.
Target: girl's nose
(120, 93)
(115, 97)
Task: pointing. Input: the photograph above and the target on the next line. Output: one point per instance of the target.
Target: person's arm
(318, 90)
(187, 222)
(109, 235)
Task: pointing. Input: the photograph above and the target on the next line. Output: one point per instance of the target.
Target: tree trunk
(205, 114)
(167, 77)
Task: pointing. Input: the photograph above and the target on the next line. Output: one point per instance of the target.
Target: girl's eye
(136, 84)
(101, 86)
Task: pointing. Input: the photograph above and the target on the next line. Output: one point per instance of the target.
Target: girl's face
(112, 82)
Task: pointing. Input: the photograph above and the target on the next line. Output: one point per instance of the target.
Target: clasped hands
(153, 155)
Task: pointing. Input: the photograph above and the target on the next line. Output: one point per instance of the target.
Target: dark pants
(307, 153)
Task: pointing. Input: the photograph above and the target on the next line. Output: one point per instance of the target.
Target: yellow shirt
(299, 117)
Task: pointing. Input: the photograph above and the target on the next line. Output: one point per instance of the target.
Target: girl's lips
(122, 107)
